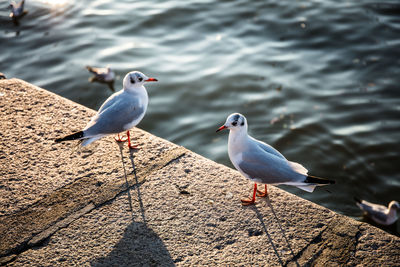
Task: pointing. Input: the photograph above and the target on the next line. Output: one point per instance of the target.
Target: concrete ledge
(62, 205)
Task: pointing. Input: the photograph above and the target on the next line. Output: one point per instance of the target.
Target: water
(318, 80)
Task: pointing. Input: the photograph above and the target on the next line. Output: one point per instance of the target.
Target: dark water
(319, 80)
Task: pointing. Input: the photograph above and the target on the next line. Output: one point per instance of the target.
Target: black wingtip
(356, 199)
(73, 136)
(317, 180)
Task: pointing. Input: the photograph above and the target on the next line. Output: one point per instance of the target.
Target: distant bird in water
(2, 76)
(17, 10)
(261, 163)
(102, 75)
(379, 213)
(122, 111)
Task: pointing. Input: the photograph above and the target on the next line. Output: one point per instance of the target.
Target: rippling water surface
(319, 80)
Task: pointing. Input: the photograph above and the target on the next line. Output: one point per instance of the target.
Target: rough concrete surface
(63, 205)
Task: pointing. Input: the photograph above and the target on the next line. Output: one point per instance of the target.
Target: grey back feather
(373, 210)
(114, 114)
(267, 148)
(268, 168)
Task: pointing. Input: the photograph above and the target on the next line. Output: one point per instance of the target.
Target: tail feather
(357, 200)
(74, 136)
(317, 180)
(307, 188)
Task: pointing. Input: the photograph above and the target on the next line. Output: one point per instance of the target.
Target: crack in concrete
(31, 227)
(357, 236)
(173, 160)
(317, 239)
(39, 238)
(337, 243)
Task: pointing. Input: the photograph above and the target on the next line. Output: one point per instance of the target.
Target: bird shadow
(261, 219)
(139, 246)
(120, 146)
(137, 184)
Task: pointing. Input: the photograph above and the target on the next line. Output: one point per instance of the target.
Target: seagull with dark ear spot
(261, 163)
(122, 111)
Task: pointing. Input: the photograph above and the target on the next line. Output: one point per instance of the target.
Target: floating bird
(120, 112)
(102, 74)
(2, 76)
(17, 10)
(261, 163)
(379, 213)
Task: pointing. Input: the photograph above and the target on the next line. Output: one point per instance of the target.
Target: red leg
(119, 139)
(129, 142)
(246, 202)
(261, 193)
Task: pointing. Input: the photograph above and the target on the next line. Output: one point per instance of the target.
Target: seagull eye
(132, 80)
(234, 123)
(140, 79)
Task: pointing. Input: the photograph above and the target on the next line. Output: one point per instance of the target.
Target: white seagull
(120, 112)
(379, 213)
(102, 74)
(261, 163)
(17, 9)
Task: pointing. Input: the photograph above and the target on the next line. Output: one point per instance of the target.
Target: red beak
(151, 80)
(221, 128)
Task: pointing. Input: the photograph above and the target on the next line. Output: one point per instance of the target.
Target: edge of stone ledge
(56, 96)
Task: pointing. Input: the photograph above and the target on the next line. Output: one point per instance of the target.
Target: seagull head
(394, 205)
(136, 79)
(235, 122)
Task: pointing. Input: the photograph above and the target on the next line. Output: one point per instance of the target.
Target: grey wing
(115, 116)
(374, 210)
(110, 101)
(267, 148)
(18, 8)
(268, 168)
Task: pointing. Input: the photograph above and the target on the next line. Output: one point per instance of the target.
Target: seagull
(379, 213)
(17, 10)
(120, 112)
(261, 163)
(102, 74)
